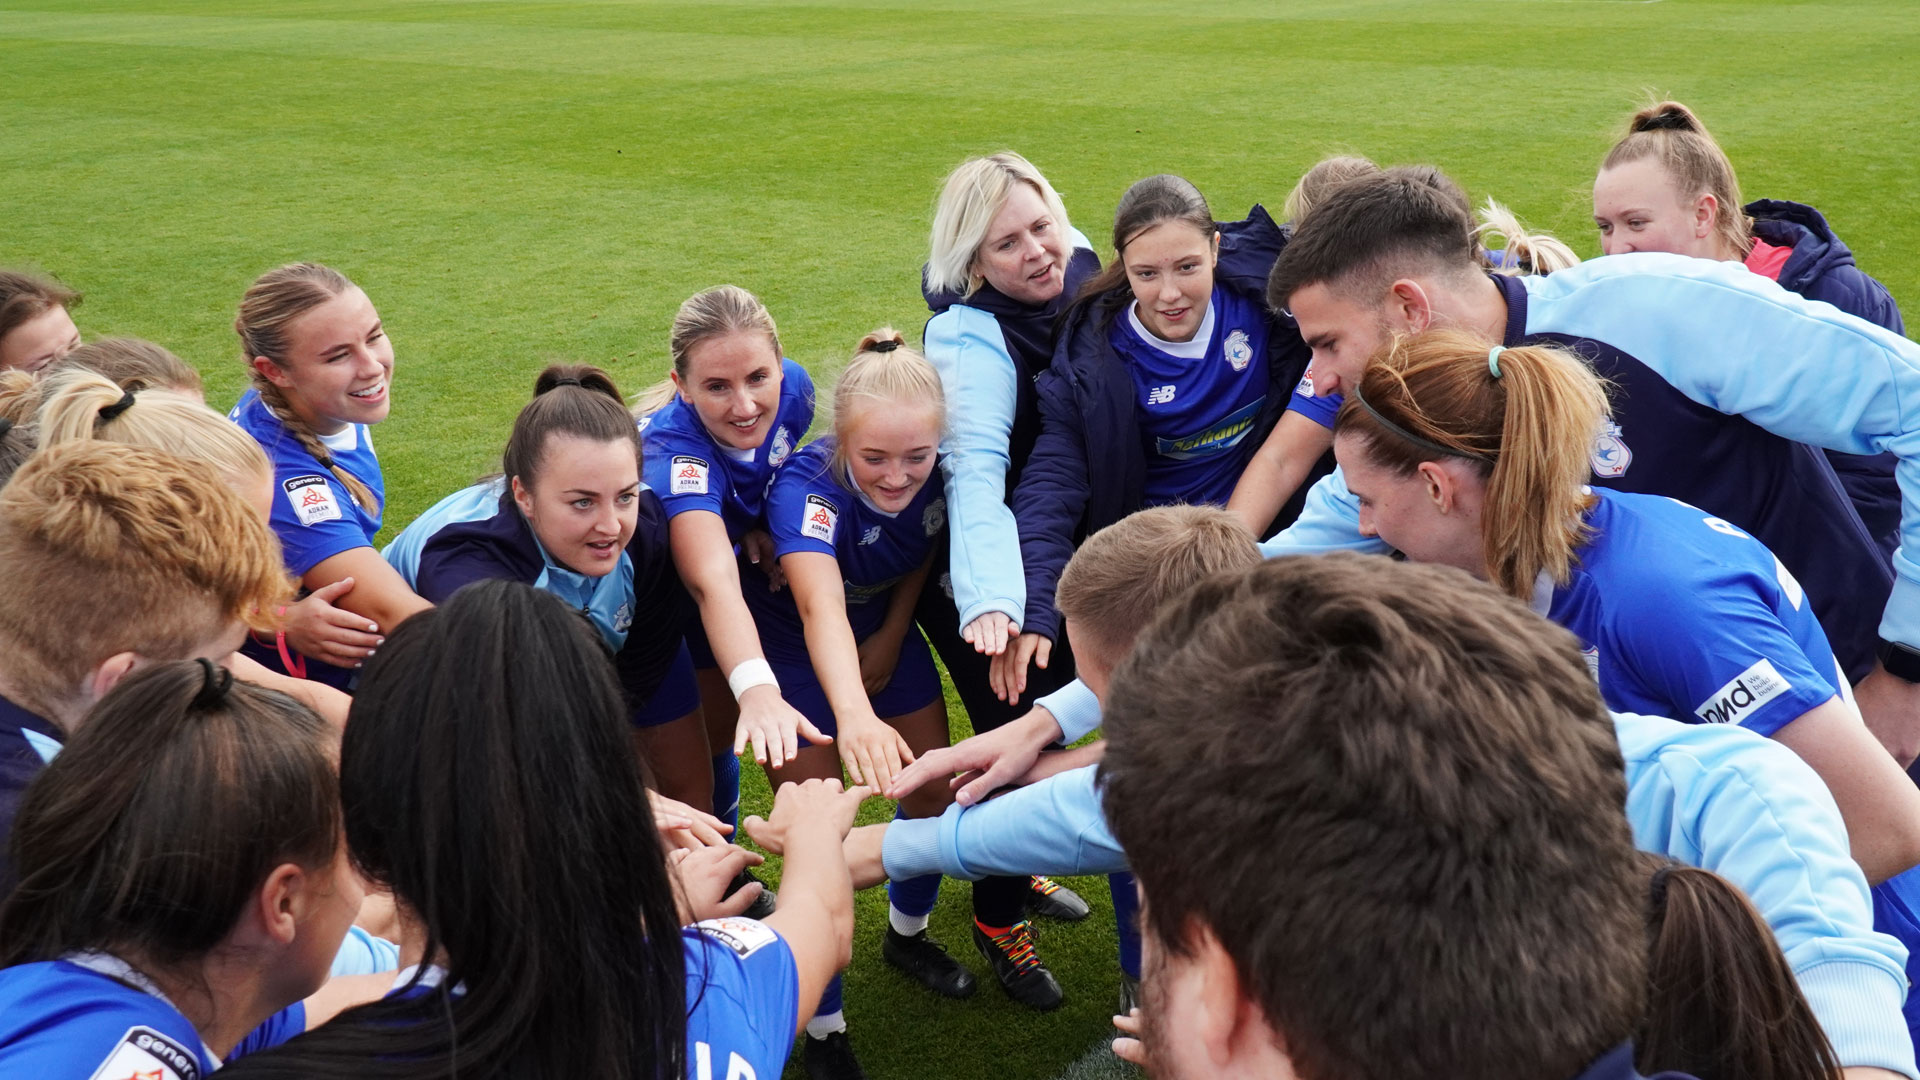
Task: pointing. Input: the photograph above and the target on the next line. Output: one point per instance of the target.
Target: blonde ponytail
(79, 405)
(884, 371)
(1530, 429)
(271, 303)
(1527, 253)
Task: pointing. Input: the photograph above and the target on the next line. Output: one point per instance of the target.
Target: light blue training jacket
(1829, 380)
(980, 379)
(1707, 795)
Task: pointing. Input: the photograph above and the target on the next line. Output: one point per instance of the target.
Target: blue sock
(913, 897)
(726, 788)
(1126, 913)
(830, 1001)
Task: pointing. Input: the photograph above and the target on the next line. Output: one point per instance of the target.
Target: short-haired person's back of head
(1443, 883)
(1127, 571)
(1372, 230)
(115, 549)
(487, 778)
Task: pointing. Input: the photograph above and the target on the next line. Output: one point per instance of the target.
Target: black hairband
(884, 346)
(108, 412)
(1424, 444)
(215, 682)
(6, 425)
(1657, 887)
(566, 380)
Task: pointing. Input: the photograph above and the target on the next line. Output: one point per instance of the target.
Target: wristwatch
(1901, 661)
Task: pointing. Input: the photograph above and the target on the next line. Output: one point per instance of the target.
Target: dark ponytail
(150, 832)
(1150, 202)
(488, 779)
(1722, 1002)
(568, 399)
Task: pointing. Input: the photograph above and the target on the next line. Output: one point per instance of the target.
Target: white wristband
(751, 673)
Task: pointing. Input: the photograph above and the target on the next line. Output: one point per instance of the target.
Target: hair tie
(884, 346)
(1657, 886)
(1425, 444)
(567, 380)
(1493, 359)
(108, 412)
(215, 682)
(6, 425)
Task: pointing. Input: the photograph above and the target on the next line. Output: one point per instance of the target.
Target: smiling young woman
(322, 372)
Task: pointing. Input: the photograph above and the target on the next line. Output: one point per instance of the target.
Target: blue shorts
(915, 683)
(677, 696)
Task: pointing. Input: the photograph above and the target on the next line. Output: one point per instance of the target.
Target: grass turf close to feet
(517, 182)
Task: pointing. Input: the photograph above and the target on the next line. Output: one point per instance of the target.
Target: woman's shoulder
(59, 1019)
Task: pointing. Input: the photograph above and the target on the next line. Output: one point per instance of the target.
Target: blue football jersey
(1684, 615)
(690, 471)
(62, 1021)
(743, 1000)
(313, 515)
(809, 508)
(1196, 411)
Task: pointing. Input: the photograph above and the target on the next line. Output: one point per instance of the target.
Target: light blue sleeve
(1330, 521)
(1748, 809)
(1053, 827)
(1799, 368)
(362, 953)
(981, 383)
(1075, 708)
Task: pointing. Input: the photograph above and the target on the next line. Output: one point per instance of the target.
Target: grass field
(518, 182)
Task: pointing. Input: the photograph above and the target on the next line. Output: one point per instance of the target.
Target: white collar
(1193, 349)
(344, 441)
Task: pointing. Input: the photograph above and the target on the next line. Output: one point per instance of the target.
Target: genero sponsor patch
(145, 1054)
(689, 476)
(743, 936)
(1744, 696)
(312, 499)
(819, 518)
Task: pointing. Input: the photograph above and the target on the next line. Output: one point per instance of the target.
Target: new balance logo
(1741, 698)
(1160, 395)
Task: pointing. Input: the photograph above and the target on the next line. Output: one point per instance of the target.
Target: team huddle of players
(1602, 773)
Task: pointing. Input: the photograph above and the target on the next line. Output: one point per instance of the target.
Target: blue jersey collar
(1515, 295)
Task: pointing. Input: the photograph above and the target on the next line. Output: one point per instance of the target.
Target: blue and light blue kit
(640, 609)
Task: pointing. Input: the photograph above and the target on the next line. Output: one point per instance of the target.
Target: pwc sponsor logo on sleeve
(818, 519)
(145, 1054)
(689, 476)
(312, 499)
(1305, 386)
(1745, 695)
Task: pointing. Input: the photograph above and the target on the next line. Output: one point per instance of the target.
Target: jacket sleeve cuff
(911, 847)
(1858, 1005)
(1901, 622)
(1075, 708)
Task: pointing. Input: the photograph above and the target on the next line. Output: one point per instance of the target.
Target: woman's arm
(981, 383)
(815, 916)
(1879, 804)
(331, 704)
(1277, 468)
(872, 751)
(705, 559)
(379, 593)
